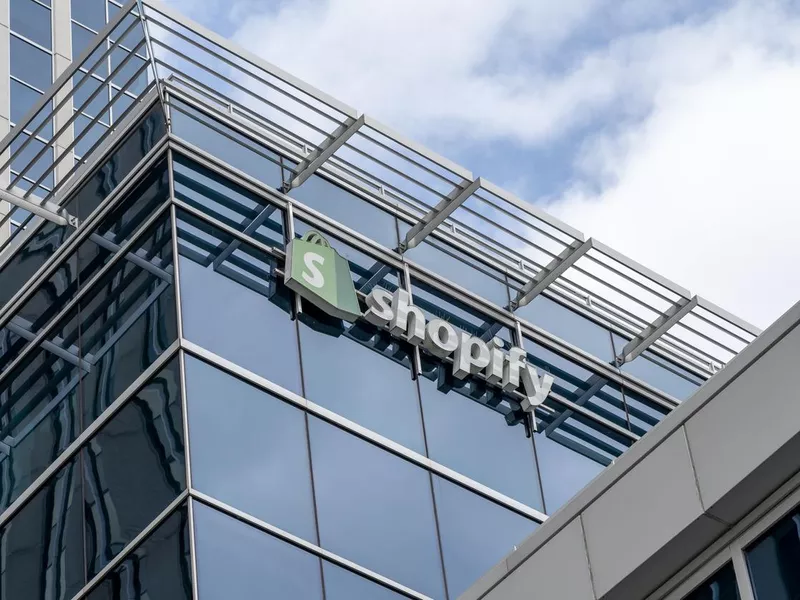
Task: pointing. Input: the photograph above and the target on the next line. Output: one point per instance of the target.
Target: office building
(257, 344)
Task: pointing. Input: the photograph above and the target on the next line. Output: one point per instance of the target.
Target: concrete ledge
(703, 516)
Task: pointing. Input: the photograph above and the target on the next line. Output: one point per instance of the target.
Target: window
(473, 439)
(569, 326)
(358, 486)
(30, 64)
(348, 209)
(235, 560)
(249, 449)
(476, 534)
(720, 586)
(773, 561)
(238, 309)
(91, 13)
(31, 19)
(159, 568)
(82, 38)
(663, 375)
(23, 98)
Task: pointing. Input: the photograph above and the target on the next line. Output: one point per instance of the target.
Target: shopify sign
(320, 275)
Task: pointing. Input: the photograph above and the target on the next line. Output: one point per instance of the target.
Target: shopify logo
(317, 272)
(320, 275)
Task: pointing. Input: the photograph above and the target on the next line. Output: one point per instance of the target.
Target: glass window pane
(81, 39)
(30, 64)
(358, 486)
(159, 568)
(84, 88)
(42, 546)
(474, 440)
(238, 309)
(773, 561)
(91, 13)
(134, 467)
(134, 69)
(663, 376)
(363, 374)
(564, 471)
(22, 100)
(237, 561)
(341, 584)
(476, 534)
(568, 326)
(33, 169)
(212, 136)
(348, 209)
(720, 586)
(446, 262)
(33, 21)
(249, 449)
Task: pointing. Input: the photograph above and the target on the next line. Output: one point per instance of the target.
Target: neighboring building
(179, 416)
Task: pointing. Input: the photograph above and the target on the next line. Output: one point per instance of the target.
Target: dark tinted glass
(773, 561)
(231, 146)
(363, 374)
(159, 569)
(564, 471)
(476, 533)
(238, 307)
(30, 257)
(33, 21)
(135, 466)
(569, 326)
(375, 509)
(122, 160)
(237, 561)
(91, 13)
(227, 202)
(30, 64)
(475, 440)
(341, 584)
(720, 586)
(348, 209)
(42, 546)
(249, 449)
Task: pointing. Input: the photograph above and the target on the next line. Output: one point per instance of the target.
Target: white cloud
(692, 172)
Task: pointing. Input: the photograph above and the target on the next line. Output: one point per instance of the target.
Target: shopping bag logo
(320, 275)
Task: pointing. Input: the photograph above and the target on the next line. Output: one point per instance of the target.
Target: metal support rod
(649, 335)
(439, 213)
(324, 151)
(551, 272)
(46, 210)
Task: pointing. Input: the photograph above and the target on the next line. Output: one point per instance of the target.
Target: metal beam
(551, 272)
(324, 151)
(70, 355)
(656, 329)
(46, 210)
(138, 258)
(439, 213)
(596, 383)
(249, 230)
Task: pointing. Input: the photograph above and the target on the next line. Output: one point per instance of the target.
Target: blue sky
(668, 130)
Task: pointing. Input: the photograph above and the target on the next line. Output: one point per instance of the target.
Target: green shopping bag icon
(317, 272)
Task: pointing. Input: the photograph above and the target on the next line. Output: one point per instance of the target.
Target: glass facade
(175, 420)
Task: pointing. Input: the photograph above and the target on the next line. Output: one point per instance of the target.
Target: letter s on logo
(316, 279)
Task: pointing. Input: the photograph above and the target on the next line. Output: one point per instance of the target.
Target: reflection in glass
(341, 584)
(568, 326)
(375, 509)
(238, 307)
(249, 449)
(33, 21)
(470, 437)
(663, 375)
(773, 561)
(476, 533)
(237, 561)
(134, 467)
(564, 471)
(720, 586)
(363, 374)
(30, 64)
(348, 209)
(159, 569)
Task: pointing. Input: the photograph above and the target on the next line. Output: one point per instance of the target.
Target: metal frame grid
(436, 198)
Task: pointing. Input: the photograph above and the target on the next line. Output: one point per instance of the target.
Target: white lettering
(441, 338)
(379, 307)
(408, 321)
(472, 356)
(316, 279)
(494, 371)
(535, 389)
